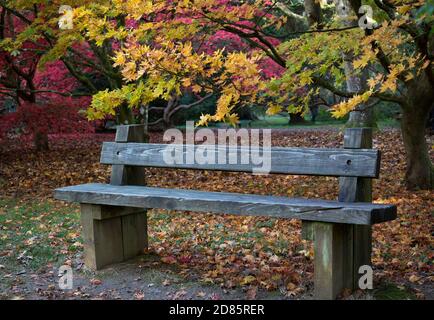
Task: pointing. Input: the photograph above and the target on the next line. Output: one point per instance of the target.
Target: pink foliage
(224, 39)
(270, 69)
(54, 77)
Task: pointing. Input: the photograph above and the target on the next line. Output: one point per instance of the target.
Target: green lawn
(34, 234)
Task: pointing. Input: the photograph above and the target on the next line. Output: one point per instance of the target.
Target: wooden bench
(114, 215)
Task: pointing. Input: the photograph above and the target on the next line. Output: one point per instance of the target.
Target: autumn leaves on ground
(195, 255)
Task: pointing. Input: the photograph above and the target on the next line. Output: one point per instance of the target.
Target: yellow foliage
(158, 58)
(273, 109)
(341, 109)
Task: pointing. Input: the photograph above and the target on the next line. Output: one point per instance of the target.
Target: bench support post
(114, 234)
(340, 249)
(111, 234)
(329, 259)
(353, 189)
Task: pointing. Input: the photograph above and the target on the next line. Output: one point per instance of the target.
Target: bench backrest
(299, 161)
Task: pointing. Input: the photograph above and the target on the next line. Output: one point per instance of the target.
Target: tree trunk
(296, 118)
(40, 141)
(363, 115)
(246, 114)
(125, 115)
(415, 113)
(313, 12)
(419, 172)
(169, 112)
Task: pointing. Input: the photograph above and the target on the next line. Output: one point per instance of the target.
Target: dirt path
(142, 278)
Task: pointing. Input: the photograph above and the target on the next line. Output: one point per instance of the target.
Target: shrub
(42, 119)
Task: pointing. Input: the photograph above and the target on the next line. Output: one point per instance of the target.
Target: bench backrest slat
(298, 161)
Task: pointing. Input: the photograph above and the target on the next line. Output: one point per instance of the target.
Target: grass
(388, 291)
(34, 234)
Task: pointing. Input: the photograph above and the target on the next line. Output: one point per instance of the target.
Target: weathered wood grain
(303, 161)
(116, 233)
(110, 212)
(135, 225)
(337, 267)
(358, 245)
(231, 203)
(352, 189)
(134, 234)
(123, 174)
(102, 239)
(329, 259)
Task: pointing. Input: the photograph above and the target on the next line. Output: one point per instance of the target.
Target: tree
(21, 52)
(17, 67)
(156, 64)
(39, 120)
(158, 53)
(394, 55)
(400, 71)
(87, 63)
(397, 59)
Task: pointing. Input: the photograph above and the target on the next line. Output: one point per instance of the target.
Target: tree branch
(188, 106)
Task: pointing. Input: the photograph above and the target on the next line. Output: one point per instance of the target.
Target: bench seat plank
(302, 161)
(230, 203)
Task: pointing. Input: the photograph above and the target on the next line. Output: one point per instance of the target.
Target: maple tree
(41, 69)
(392, 62)
(40, 120)
(38, 94)
(16, 73)
(396, 54)
(161, 49)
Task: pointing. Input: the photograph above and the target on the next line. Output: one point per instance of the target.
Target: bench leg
(112, 234)
(329, 259)
(340, 249)
(361, 251)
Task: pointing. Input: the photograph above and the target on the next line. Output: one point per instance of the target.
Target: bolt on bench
(114, 217)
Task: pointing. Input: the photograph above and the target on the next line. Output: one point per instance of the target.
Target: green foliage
(426, 13)
(194, 113)
(386, 111)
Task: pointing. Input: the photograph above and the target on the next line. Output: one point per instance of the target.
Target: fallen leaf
(251, 293)
(247, 280)
(291, 287)
(139, 295)
(168, 260)
(179, 294)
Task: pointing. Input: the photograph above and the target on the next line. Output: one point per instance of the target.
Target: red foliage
(17, 68)
(31, 118)
(42, 107)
